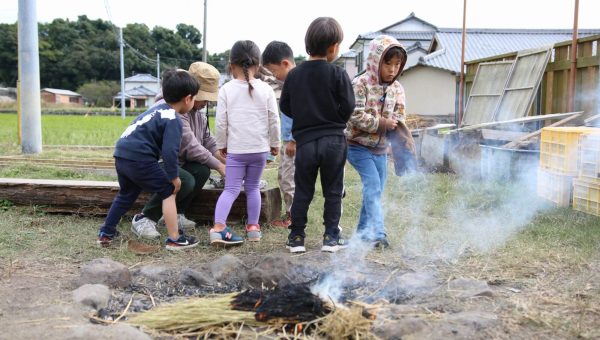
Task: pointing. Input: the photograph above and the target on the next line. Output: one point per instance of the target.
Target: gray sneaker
(144, 227)
(182, 223)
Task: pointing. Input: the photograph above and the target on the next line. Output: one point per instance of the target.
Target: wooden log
(95, 197)
(515, 121)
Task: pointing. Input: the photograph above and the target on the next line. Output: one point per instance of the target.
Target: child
(154, 133)
(318, 96)
(278, 58)
(247, 128)
(379, 108)
(197, 156)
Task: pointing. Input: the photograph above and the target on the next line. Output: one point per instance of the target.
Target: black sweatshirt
(154, 133)
(318, 96)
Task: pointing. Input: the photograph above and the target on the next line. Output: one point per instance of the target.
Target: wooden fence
(552, 95)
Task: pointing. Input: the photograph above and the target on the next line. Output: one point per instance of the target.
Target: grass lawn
(69, 130)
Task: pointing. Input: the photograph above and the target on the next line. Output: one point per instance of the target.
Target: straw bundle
(194, 315)
(346, 323)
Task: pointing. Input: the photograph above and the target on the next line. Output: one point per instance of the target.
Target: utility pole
(122, 72)
(158, 68)
(204, 51)
(29, 74)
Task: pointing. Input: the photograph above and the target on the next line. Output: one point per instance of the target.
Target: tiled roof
(62, 92)
(483, 43)
(139, 91)
(142, 78)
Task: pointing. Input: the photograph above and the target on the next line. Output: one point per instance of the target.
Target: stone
(95, 296)
(476, 319)
(116, 331)
(189, 276)
(270, 271)
(399, 329)
(466, 288)
(105, 271)
(226, 268)
(154, 273)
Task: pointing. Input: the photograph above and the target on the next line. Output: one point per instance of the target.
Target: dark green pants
(193, 177)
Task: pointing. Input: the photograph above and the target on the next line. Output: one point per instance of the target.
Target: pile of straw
(194, 316)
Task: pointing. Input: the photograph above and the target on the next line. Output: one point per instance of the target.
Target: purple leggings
(247, 167)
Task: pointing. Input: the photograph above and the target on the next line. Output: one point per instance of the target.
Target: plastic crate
(554, 187)
(559, 149)
(586, 196)
(589, 156)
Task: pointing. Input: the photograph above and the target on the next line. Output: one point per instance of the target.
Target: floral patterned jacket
(374, 100)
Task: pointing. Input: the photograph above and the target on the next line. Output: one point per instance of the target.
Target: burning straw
(292, 308)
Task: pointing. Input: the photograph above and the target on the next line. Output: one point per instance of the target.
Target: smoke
(442, 216)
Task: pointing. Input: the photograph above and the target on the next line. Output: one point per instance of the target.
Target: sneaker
(381, 243)
(144, 227)
(284, 222)
(182, 223)
(182, 243)
(253, 232)
(226, 237)
(332, 244)
(104, 239)
(295, 244)
(185, 223)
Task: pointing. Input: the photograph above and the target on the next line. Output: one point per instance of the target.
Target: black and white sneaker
(182, 243)
(295, 244)
(332, 244)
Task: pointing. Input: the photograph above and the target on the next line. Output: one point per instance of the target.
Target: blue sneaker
(105, 239)
(226, 237)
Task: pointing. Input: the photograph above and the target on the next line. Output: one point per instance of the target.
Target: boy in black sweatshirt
(318, 96)
(154, 134)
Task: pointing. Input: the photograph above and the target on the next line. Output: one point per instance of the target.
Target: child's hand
(177, 183)
(274, 151)
(221, 169)
(290, 148)
(223, 152)
(390, 124)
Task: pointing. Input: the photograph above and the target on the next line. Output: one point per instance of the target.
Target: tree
(73, 53)
(99, 93)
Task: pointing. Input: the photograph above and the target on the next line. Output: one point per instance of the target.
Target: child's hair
(322, 33)
(245, 54)
(178, 84)
(395, 51)
(276, 52)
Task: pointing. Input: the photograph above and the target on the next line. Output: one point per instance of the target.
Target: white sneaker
(182, 223)
(144, 227)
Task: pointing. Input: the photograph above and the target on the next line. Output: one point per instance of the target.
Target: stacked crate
(559, 162)
(586, 188)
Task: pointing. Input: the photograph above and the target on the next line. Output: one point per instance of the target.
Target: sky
(265, 20)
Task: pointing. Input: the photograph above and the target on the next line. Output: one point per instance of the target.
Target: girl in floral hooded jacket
(380, 102)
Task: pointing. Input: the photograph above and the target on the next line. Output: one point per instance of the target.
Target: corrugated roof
(483, 43)
(62, 92)
(142, 77)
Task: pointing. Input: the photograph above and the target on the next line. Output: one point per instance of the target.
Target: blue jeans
(372, 169)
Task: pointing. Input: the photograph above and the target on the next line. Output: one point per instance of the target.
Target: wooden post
(573, 72)
(461, 90)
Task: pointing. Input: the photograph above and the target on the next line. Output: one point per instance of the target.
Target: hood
(377, 49)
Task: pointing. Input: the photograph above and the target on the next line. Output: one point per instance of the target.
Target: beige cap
(208, 76)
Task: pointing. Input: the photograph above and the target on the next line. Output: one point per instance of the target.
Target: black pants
(327, 156)
(193, 177)
(135, 177)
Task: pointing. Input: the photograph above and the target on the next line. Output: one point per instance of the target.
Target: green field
(70, 129)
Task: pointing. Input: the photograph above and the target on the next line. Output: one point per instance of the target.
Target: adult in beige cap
(197, 156)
